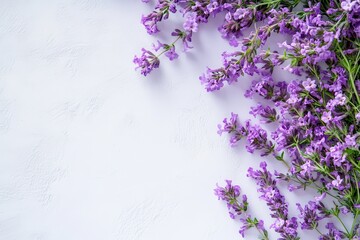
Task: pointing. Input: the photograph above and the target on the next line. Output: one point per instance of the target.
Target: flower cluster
(312, 213)
(147, 62)
(315, 113)
(231, 195)
(256, 136)
(285, 225)
(162, 11)
(267, 113)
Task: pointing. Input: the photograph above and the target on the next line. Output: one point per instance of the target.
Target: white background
(92, 150)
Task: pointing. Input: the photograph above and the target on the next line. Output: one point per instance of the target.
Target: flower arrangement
(317, 114)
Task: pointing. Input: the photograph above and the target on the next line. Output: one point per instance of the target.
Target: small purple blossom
(171, 54)
(309, 84)
(326, 117)
(158, 46)
(337, 182)
(190, 23)
(357, 116)
(348, 5)
(307, 169)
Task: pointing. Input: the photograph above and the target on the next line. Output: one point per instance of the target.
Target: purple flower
(357, 116)
(269, 114)
(293, 99)
(214, 7)
(336, 154)
(230, 194)
(293, 188)
(283, 224)
(158, 46)
(232, 66)
(162, 9)
(213, 79)
(234, 23)
(307, 169)
(190, 23)
(257, 140)
(326, 117)
(146, 62)
(337, 182)
(339, 100)
(344, 210)
(229, 125)
(309, 84)
(265, 88)
(150, 22)
(348, 5)
(279, 224)
(311, 214)
(350, 141)
(320, 198)
(171, 54)
(333, 233)
(186, 38)
(235, 129)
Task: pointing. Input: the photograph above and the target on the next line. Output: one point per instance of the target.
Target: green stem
(348, 68)
(266, 3)
(352, 82)
(318, 231)
(262, 234)
(342, 223)
(172, 44)
(338, 22)
(316, 163)
(354, 222)
(286, 164)
(357, 188)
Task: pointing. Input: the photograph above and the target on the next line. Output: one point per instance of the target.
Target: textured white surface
(92, 150)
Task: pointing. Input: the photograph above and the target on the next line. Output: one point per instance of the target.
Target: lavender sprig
(238, 208)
